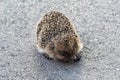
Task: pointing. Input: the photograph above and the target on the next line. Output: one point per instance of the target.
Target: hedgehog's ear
(52, 46)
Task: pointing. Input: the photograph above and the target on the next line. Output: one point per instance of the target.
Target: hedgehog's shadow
(53, 70)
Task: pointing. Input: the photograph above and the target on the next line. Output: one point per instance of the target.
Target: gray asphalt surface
(97, 21)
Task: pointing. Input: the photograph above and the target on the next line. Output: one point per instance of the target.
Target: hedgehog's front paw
(47, 56)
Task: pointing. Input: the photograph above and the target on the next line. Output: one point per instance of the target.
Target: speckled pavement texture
(97, 22)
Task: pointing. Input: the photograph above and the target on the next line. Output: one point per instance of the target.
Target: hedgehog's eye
(52, 46)
(63, 53)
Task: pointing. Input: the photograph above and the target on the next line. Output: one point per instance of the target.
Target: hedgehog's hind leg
(47, 56)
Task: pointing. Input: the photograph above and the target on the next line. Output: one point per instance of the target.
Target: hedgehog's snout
(72, 59)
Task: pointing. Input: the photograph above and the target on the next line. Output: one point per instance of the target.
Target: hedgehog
(57, 38)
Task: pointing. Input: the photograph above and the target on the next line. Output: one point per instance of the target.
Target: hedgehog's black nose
(74, 58)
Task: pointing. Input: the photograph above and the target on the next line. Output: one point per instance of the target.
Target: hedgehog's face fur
(64, 48)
